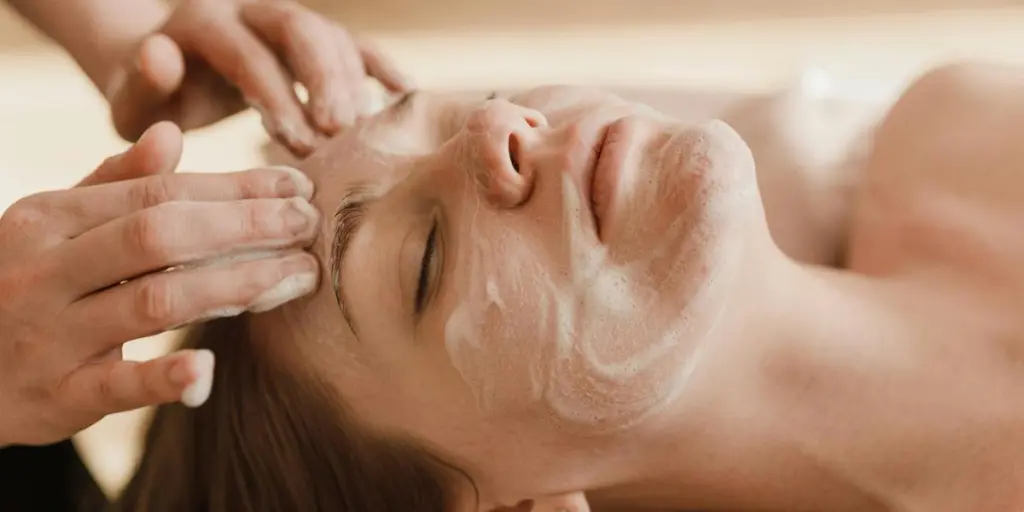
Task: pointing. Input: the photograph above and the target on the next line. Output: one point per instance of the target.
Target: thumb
(138, 97)
(157, 152)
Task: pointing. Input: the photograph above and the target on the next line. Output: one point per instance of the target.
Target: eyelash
(493, 95)
(428, 256)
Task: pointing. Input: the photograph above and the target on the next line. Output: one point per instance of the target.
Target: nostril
(513, 151)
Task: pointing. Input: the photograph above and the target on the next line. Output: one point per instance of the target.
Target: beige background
(55, 127)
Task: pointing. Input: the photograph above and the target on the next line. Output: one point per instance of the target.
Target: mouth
(604, 175)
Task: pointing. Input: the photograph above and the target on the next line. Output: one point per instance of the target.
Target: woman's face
(506, 275)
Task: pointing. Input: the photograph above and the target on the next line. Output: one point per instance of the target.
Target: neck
(764, 426)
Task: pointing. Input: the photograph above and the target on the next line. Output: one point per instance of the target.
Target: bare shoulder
(945, 179)
(809, 152)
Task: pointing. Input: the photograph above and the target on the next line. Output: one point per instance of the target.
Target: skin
(424, 159)
(127, 223)
(205, 60)
(890, 386)
(193, 65)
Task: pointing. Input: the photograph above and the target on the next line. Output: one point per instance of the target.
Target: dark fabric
(47, 479)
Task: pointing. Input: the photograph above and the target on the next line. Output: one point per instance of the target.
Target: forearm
(98, 34)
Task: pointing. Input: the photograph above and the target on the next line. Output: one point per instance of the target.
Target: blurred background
(55, 127)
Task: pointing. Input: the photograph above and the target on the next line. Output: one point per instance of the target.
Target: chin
(669, 198)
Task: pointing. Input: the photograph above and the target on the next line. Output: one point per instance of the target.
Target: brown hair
(274, 439)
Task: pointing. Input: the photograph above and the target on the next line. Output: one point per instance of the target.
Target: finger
(307, 43)
(167, 300)
(354, 72)
(157, 152)
(244, 61)
(383, 69)
(116, 386)
(140, 94)
(83, 209)
(180, 233)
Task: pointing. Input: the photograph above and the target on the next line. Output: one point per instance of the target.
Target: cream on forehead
(602, 360)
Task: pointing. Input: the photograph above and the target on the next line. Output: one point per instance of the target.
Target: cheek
(495, 332)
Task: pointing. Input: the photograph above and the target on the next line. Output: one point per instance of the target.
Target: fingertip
(161, 64)
(198, 391)
(303, 186)
(143, 85)
(158, 150)
(294, 133)
(297, 135)
(162, 130)
(324, 113)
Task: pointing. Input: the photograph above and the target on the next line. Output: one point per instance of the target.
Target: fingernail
(298, 136)
(180, 372)
(287, 290)
(295, 184)
(202, 367)
(324, 115)
(343, 114)
(299, 215)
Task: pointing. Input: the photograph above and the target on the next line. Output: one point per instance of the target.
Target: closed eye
(425, 267)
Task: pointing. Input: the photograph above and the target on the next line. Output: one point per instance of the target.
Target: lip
(604, 179)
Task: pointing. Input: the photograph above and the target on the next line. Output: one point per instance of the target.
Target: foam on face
(592, 338)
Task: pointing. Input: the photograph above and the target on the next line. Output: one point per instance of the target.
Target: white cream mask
(598, 344)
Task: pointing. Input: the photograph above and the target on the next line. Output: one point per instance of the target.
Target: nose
(498, 136)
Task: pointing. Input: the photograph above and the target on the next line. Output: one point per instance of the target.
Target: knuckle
(153, 191)
(105, 393)
(156, 302)
(294, 22)
(153, 233)
(203, 14)
(246, 70)
(263, 219)
(28, 212)
(259, 183)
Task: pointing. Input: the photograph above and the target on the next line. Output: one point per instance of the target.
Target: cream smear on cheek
(591, 342)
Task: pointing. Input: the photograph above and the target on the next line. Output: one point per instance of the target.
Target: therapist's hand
(84, 270)
(214, 57)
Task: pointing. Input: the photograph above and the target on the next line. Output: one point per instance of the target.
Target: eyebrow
(348, 219)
